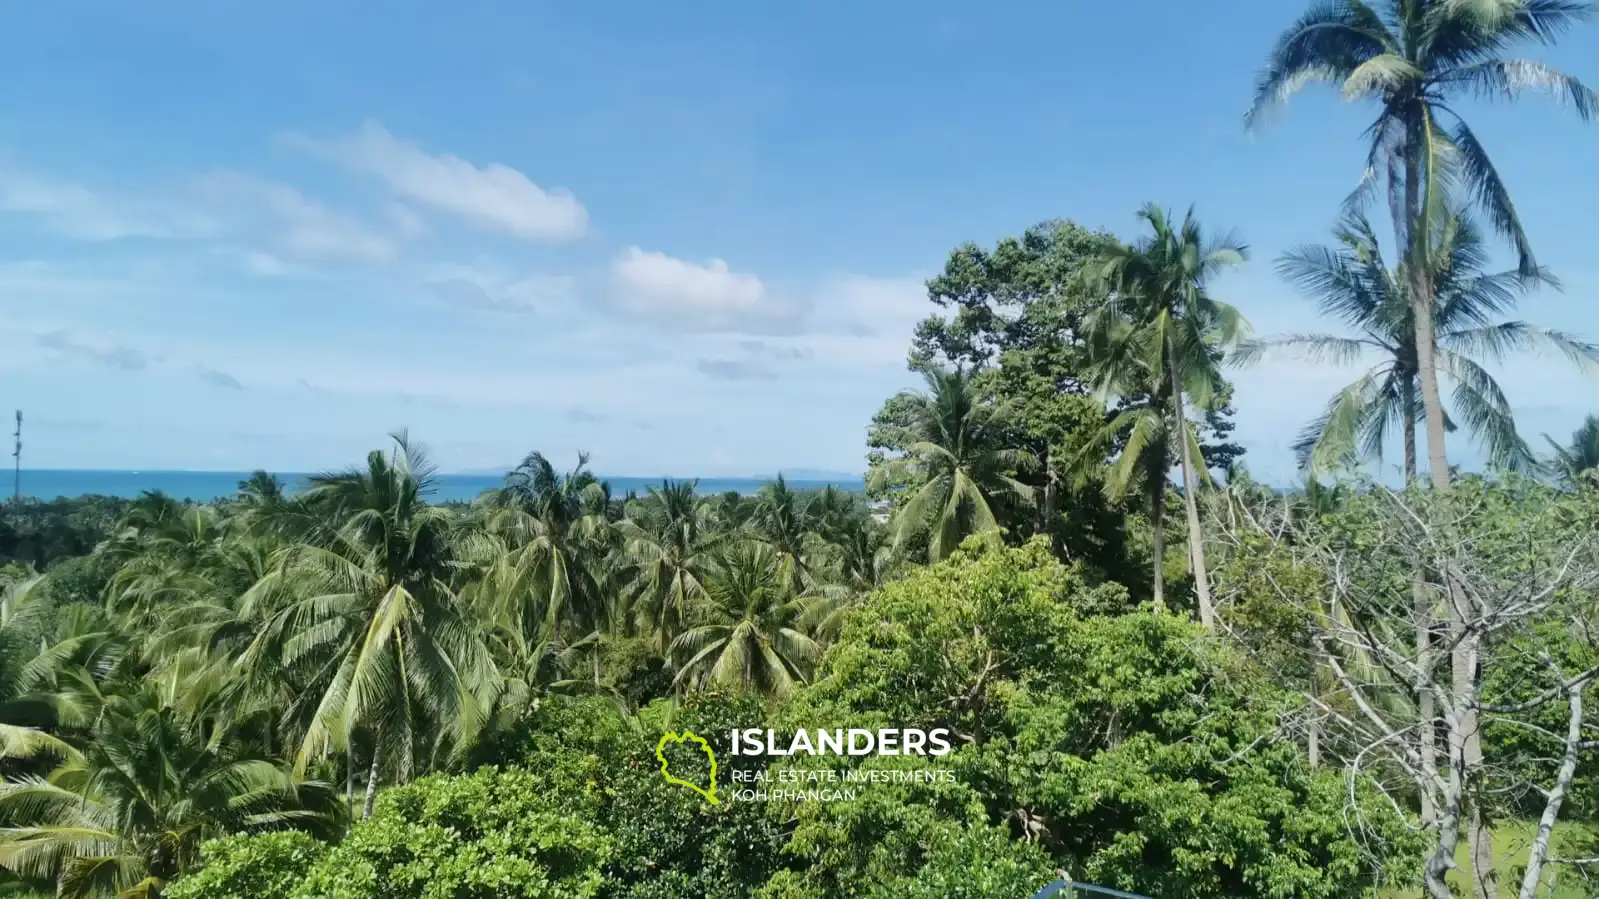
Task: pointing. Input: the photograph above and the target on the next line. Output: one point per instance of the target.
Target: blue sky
(687, 237)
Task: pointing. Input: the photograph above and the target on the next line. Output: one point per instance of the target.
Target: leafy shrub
(490, 835)
(1135, 751)
(1141, 752)
(256, 866)
(668, 842)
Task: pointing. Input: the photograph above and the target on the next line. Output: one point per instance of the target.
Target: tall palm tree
(152, 510)
(834, 512)
(29, 662)
(373, 628)
(1143, 426)
(554, 525)
(1163, 335)
(958, 464)
(666, 543)
(1415, 58)
(1352, 283)
(261, 489)
(784, 521)
(1579, 459)
(126, 812)
(748, 634)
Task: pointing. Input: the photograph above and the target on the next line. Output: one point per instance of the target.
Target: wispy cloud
(220, 208)
(80, 212)
(775, 351)
(121, 357)
(693, 296)
(218, 378)
(112, 355)
(296, 224)
(483, 288)
(494, 197)
(736, 370)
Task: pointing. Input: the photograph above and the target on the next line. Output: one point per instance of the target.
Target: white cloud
(266, 265)
(101, 351)
(761, 348)
(295, 223)
(736, 370)
(486, 288)
(862, 321)
(867, 306)
(217, 207)
(692, 296)
(82, 213)
(495, 197)
(107, 353)
(218, 378)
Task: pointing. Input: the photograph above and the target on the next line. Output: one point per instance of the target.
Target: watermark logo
(806, 781)
(687, 736)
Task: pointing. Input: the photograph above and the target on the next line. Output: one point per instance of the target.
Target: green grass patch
(1512, 842)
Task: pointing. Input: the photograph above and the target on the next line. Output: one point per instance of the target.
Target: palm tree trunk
(372, 778)
(1410, 440)
(1427, 365)
(1421, 298)
(1426, 715)
(1417, 234)
(1196, 541)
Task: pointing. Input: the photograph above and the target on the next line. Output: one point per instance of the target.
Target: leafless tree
(1517, 593)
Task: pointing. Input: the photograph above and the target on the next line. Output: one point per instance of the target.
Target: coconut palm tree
(783, 520)
(959, 468)
(373, 628)
(126, 812)
(58, 669)
(1162, 335)
(554, 525)
(1580, 459)
(261, 489)
(1351, 283)
(834, 512)
(666, 538)
(747, 635)
(1143, 427)
(1415, 58)
(28, 665)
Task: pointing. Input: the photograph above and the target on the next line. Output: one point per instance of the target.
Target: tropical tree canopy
(961, 474)
(1351, 283)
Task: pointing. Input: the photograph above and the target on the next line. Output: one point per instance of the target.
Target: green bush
(257, 866)
(490, 835)
(1139, 750)
(1133, 750)
(670, 843)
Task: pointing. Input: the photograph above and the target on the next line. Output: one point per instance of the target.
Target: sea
(205, 486)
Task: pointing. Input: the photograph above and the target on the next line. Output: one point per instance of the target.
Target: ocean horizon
(208, 486)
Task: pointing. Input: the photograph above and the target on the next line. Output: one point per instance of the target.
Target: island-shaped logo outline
(675, 737)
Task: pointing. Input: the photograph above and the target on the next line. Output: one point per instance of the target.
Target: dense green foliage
(346, 691)
(262, 866)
